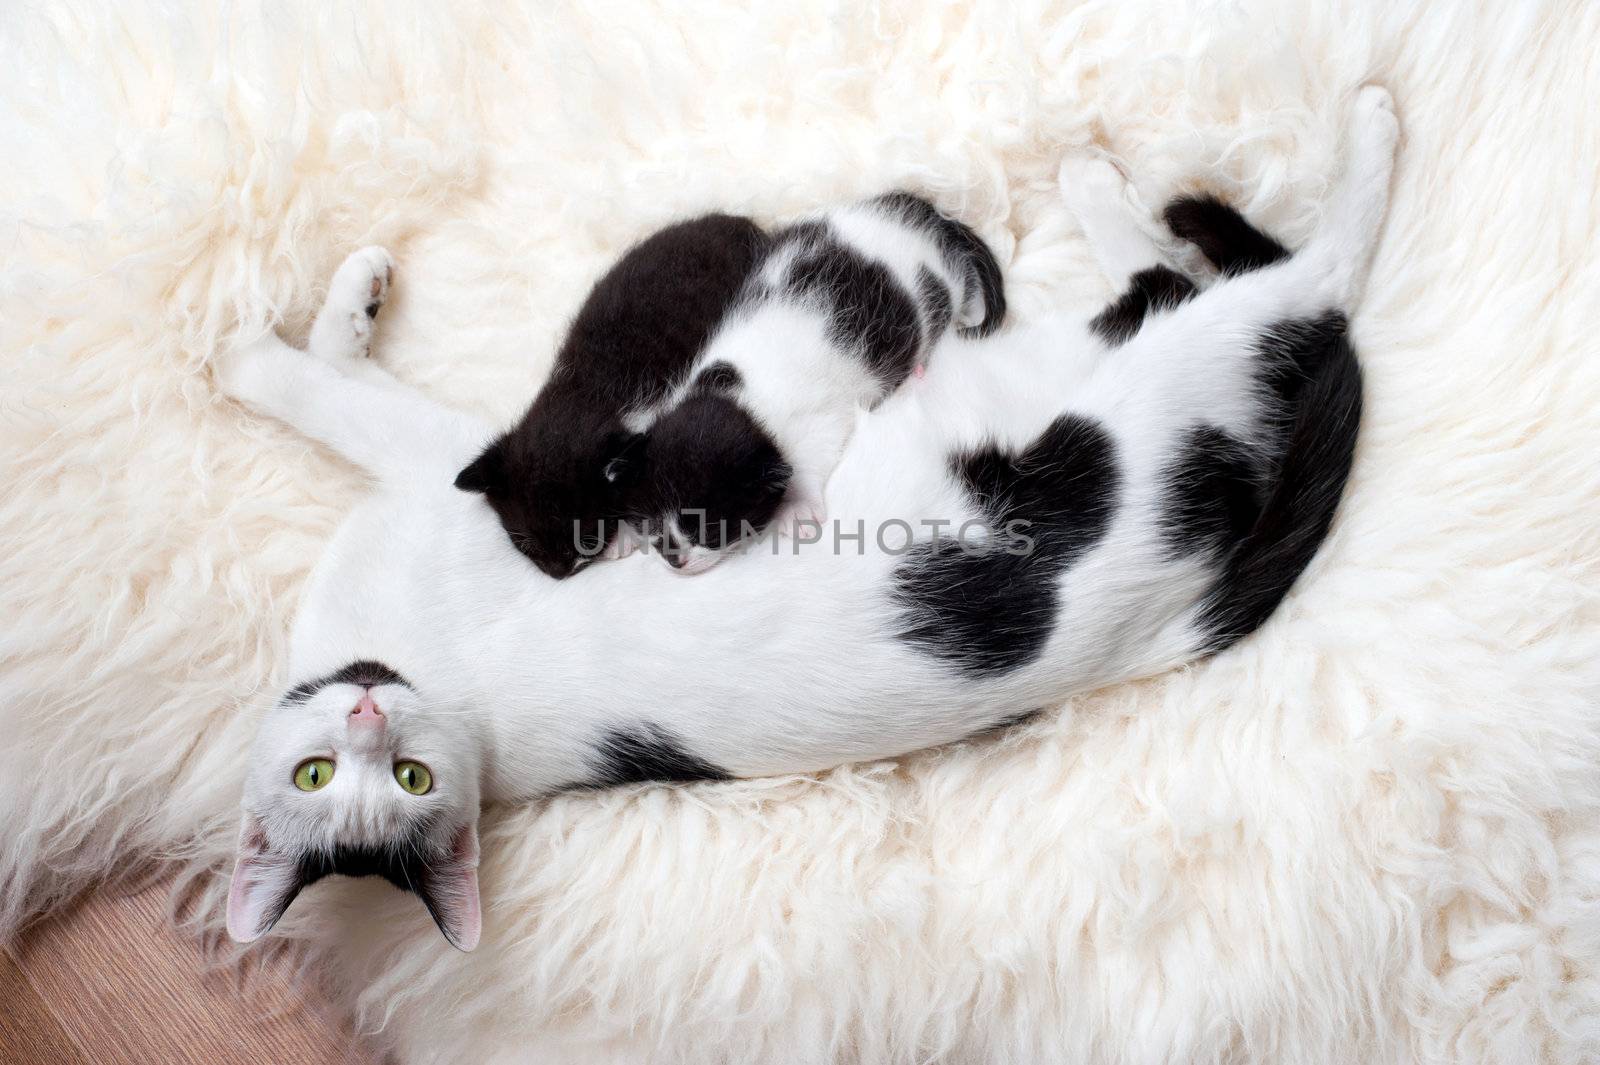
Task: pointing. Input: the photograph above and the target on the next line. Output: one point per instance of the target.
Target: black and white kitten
(843, 309)
(634, 337)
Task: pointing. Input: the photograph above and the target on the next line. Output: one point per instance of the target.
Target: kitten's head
(709, 476)
(352, 774)
(556, 498)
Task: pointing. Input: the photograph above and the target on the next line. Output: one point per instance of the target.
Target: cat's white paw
(343, 329)
(1374, 126)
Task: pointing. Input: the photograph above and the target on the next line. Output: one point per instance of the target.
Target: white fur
(1367, 834)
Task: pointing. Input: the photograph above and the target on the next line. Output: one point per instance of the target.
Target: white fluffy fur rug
(1371, 833)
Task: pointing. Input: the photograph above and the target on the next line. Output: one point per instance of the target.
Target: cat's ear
(624, 457)
(449, 887)
(484, 473)
(264, 882)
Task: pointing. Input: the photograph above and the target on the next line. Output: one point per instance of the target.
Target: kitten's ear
(625, 457)
(484, 472)
(264, 882)
(450, 889)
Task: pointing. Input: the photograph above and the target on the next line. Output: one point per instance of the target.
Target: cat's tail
(983, 303)
(1309, 481)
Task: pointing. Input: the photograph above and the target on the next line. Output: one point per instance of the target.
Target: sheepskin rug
(1371, 833)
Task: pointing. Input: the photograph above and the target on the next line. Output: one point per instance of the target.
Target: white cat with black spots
(1176, 478)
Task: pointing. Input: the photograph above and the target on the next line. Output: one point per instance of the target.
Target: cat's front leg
(335, 394)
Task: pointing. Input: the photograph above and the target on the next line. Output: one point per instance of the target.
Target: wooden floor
(110, 983)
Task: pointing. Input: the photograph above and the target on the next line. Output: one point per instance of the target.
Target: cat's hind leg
(1340, 252)
(1098, 195)
(1330, 270)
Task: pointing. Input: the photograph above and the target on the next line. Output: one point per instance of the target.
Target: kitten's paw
(343, 329)
(623, 544)
(803, 518)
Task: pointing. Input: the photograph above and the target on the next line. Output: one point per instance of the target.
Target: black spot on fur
(1155, 289)
(717, 377)
(372, 309)
(1308, 476)
(1233, 245)
(867, 308)
(937, 306)
(1212, 493)
(993, 610)
(645, 753)
(966, 253)
(365, 672)
(1293, 351)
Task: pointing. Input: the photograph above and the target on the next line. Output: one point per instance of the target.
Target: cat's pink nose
(366, 713)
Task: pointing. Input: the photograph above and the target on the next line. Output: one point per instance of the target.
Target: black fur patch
(1308, 477)
(868, 310)
(645, 753)
(717, 377)
(1212, 493)
(403, 863)
(1155, 289)
(992, 612)
(964, 251)
(1233, 245)
(365, 672)
(937, 306)
(1292, 352)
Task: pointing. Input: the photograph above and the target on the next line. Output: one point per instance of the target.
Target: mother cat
(1139, 489)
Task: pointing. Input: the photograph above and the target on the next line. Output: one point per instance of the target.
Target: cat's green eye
(414, 777)
(313, 773)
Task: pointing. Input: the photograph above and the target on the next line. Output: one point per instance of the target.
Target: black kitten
(553, 479)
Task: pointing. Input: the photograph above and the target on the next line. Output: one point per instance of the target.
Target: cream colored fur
(1370, 833)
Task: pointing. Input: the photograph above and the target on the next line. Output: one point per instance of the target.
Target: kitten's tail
(983, 303)
(1311, 476)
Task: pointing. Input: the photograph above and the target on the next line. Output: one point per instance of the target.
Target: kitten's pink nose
(366, 714)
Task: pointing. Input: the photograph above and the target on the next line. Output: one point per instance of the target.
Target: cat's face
(354, 773)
